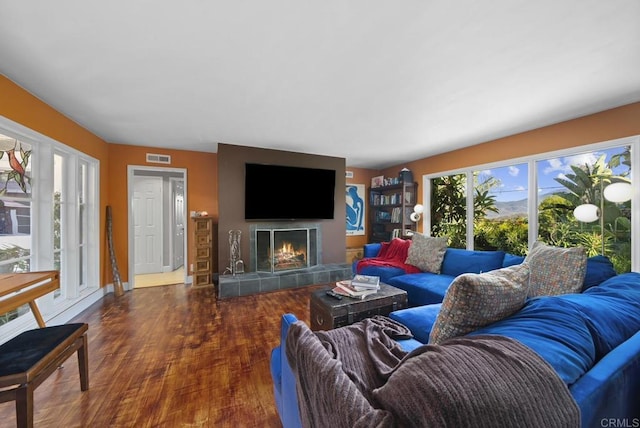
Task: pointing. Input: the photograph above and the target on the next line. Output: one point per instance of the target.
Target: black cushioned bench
(29, 358)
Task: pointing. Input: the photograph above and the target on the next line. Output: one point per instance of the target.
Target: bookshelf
(390, 207)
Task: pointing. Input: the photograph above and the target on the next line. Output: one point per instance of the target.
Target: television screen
(277, 192)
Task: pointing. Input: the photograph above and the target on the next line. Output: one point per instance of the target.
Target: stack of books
(359, 287)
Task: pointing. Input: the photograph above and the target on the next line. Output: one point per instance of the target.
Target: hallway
(155, 279)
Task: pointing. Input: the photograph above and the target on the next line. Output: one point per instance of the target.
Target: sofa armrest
(368, 251)
(284, 379)
(371, 250)
(611, 389)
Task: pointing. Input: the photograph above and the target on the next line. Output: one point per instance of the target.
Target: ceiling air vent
(155, 158)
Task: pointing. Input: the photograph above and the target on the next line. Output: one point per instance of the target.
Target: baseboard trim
(78, 307)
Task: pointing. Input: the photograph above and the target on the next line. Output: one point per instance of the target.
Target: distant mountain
(509, 209)
(513, 208)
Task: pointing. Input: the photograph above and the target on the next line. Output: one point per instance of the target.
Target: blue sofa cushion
(419, 320)
(409, 345)
(511, 259)
(384, 272)
(599, 268)
(458, 261)
(611, 310)
(422, 288)
(555, 329)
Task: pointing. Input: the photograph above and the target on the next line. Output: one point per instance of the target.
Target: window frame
(533, 202)
(42, 240)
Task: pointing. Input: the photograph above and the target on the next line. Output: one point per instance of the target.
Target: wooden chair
(29, 358)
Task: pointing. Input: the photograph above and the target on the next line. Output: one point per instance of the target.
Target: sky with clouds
(514, 178)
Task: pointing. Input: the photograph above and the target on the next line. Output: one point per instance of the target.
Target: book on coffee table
(366, 281)
(344, 289)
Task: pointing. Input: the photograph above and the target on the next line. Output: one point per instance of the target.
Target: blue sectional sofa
(425, 288)
(591, 339)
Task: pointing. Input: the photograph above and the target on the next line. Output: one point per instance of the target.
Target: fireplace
(297, 263)
(280, 248)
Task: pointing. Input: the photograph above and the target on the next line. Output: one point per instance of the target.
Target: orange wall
(607, 125)
(20, 106)
(202, 190)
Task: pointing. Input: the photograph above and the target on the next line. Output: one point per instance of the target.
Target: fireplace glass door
(285, 249)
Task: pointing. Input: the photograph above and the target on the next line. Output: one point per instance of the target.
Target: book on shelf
(407, 215)
(391, 181)
(392, 199)
(408, 197)
(366, 281)
(383, 216)
(344, 289)
(395, 215)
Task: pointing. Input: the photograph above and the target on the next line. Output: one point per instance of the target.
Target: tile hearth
(259, 282)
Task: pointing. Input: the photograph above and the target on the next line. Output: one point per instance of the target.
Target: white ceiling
(377, 82)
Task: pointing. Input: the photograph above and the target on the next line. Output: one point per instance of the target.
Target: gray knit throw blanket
(357, 376)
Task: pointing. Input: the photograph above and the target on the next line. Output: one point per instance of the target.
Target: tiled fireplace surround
(259, 282)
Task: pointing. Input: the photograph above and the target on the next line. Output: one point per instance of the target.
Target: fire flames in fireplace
(288, 257)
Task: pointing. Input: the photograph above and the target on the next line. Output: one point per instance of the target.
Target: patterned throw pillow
(555, 270)
(426, 253)
(475, 300)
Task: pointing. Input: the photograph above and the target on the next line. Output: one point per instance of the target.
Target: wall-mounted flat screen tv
(278, 192)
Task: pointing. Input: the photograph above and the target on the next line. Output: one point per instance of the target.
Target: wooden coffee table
(328, 312)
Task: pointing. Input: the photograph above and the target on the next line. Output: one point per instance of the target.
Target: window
(568, 181)
(58, 216)
(500, 204)
(83, 223)
(48, 217)
(449, 208)
(15, 211)
(514, 203)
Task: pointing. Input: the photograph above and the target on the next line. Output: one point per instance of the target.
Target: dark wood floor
(171, 356)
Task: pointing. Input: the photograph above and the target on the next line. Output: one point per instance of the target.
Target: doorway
(156, 222)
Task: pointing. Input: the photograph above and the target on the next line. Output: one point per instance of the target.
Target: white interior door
(147, 217)
(177, 195)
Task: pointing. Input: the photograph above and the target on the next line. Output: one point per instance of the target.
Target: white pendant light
(586, 213)
(618, 192)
